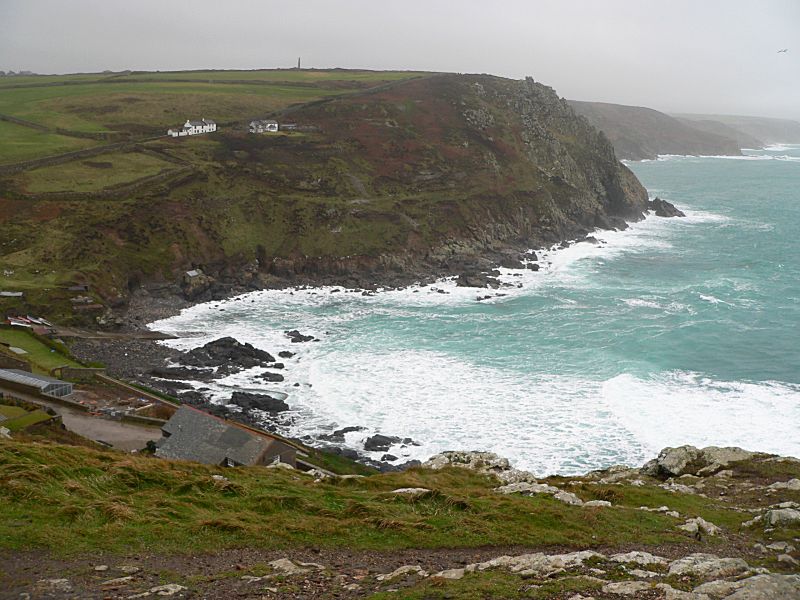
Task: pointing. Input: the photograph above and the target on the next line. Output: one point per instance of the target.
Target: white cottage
(194, 128)
(263, 126)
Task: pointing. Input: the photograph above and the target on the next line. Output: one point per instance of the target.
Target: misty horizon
(713, 58)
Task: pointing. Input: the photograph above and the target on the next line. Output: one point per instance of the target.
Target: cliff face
(392, 184)
(446, 166)
(642, 133)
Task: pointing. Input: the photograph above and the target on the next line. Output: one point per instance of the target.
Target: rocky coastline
(169, 371)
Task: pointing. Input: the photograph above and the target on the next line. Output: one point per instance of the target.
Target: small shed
(30, 382)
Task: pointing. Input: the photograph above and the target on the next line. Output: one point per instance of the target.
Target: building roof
(201, 437)
(29, 379)
(197, 123)
(209, 122)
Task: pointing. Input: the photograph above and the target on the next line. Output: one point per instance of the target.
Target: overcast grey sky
(677, 55)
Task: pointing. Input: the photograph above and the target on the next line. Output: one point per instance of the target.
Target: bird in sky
(784, 50)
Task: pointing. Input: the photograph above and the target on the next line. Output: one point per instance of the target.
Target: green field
(93, 174)
(19, 143)
(21, 420)
(42, 357)
(138, 104)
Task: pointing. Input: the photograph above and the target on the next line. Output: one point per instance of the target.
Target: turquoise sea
(675, 331)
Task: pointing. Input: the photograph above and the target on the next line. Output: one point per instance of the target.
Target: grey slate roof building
(192, 434)
(18, 379)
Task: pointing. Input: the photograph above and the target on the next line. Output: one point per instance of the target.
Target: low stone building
(263, 126)
(192, 434)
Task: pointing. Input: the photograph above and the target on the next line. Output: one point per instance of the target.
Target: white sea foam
(547, 422)
(782, 147)
(682, 407)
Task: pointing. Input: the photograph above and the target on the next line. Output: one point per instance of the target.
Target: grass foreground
(74, 499)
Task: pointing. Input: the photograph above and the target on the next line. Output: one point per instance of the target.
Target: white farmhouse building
(194, 128)
(267, 126)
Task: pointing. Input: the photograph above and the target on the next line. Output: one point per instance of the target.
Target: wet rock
(182, 373)
(380, 443)
(271, 377)
(264, 402)
(192, 397)
(662, 208)
(338, 435)
(296, 337)
(478, 279)
(286, 354)
(229, 353)
(388, 458)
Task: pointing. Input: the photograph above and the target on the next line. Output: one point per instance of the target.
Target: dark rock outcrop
(182, 373)
(297, 337)
(264, 402)
(271, 377)
(380, 443)
(228, 353)
(662, 208)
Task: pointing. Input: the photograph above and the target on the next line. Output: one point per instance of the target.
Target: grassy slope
(42, 357)
(21, 143)
(94, 174)
(72, 499)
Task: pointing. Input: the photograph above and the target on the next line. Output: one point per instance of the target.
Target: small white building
(263, 126)
(194, 128)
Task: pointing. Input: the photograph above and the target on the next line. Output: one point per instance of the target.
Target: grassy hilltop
(393, 171)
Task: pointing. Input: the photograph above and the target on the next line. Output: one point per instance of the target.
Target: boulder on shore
(265, 402)
(662, 208)
(229, 353)
(296, 337)
(380, 443)
(683, 460)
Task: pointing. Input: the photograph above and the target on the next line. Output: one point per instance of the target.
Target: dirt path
(232, 573)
